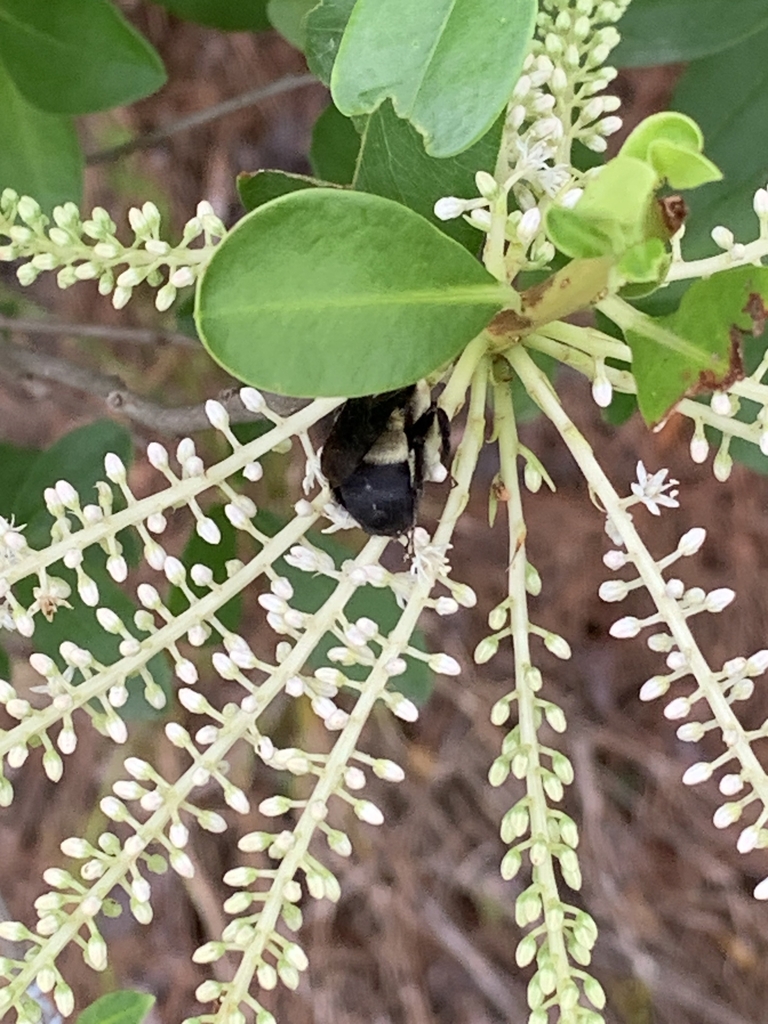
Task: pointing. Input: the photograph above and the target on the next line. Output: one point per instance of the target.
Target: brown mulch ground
(425, 931)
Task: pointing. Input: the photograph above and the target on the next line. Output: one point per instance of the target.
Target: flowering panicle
(158, 817)
(89, 250)
(719, 690)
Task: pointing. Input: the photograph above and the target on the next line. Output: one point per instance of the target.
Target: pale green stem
(588, 339)
(734, 736)
(543, 872)
(753, 253)
(622, 380)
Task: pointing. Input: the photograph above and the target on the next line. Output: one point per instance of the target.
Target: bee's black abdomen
(380, 497)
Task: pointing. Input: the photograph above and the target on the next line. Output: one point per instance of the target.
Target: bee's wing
(356, 429)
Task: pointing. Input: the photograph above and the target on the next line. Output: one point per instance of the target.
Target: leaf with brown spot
(699, 348)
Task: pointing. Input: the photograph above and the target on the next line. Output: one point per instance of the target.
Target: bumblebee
(380, 451)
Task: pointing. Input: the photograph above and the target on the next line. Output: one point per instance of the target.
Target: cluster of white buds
(523, 227)
(556, 99)
(89, 250)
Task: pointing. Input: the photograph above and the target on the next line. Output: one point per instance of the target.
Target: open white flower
(651, 490)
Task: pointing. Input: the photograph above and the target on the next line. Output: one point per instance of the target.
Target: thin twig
(286, 84)
(106, 332)
(113, 392)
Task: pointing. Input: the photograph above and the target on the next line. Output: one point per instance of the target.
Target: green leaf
(667, 31)
(39, 152)
(288, 17)
(612, 214)
(699, 347)
(335, 147)
(393, 164)
(15, 464)
(672, 144)
(324, 28)
(76, 57)
(215, 556)
(123, 1007)
(308, 296)
(232, 16)
(646, 261)
(448, 67)
(377, 603)
(260, 187)
(727, 95)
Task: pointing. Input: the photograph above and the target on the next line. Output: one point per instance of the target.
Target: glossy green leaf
(229, 16)
(307, 296)
(260, 187)
(393, 163)
(39, 152)
(727, 95)
(5, 666)
(324, 28)
(335, 147)
(377, 603)
(289, 18)
(448, 67)
(76, 57)
(667, 31)
(698, 348)
(215, 556)
(123, 1007)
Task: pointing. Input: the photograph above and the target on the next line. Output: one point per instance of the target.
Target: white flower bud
(757, 664)
(748, 839)
(405, 709)
(252, 399)
(691, 541)
(624, 629)
(615, 560)
(613, 590)
(654, 688)
(717, 600)
(726, 815)
(217, 415)
(697, 773)
(690, 732)
(722, 237)
(677, 708)
(444, 665)
(114, 468)
(720, 403)
(368, 812)
(387, 770)
(731, 784)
